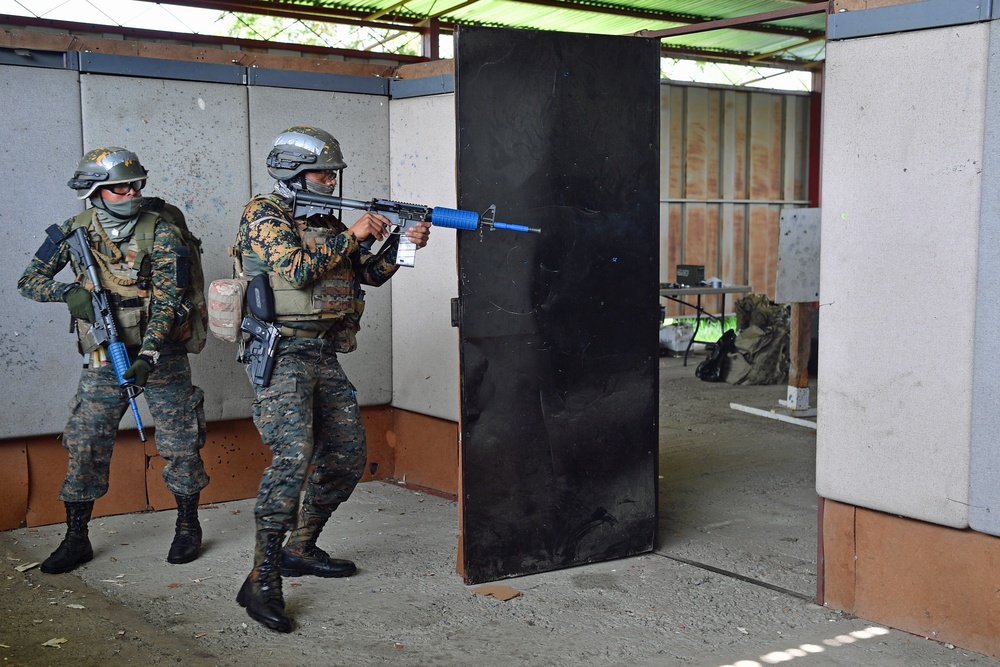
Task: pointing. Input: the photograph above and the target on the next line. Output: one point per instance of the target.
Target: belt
(123, 302)
(301, 333)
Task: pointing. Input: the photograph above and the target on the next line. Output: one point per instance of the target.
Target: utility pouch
(130, 324)
(226, 299)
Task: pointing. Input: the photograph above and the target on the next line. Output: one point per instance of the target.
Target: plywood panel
(731, 156)
(761, 185)
(127, 483)
(696, 120)
(714, 145)
(839, 555)
(930, 580)
(761, 247)
(894, 428)
(47, 461)
(676, 218)
(14, 482)
(798, 147)
(674, 160)
(695, 247)
(380, 436)
(740, 274)
(741, 145)
(933, 581)
(234, 459)
(426, 451)
(666, 140)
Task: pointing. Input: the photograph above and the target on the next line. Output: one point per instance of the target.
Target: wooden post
(800, 342)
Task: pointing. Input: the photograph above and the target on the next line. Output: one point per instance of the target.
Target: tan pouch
(225, 307)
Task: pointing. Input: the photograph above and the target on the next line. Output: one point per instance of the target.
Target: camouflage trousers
(177, 407)
(308, 416)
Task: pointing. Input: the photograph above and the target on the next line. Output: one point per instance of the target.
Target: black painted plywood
(559, 348)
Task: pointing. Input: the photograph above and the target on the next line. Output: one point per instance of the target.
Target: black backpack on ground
(714, 368)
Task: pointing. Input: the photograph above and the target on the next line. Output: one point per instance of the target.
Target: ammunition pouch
(131, 324)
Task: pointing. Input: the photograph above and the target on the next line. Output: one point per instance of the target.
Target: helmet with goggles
(108, 166)
(303, 148)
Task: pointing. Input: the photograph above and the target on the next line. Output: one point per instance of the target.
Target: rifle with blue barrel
(403, 216)
(104, 330)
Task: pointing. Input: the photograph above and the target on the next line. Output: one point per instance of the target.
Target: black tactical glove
(80, 305)
(138, 372)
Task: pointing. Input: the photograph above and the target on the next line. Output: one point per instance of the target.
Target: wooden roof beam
(739, 21)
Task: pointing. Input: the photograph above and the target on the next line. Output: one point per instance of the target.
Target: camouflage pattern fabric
(268, 232)
(308, 415)
(37, 282)
(97, 408)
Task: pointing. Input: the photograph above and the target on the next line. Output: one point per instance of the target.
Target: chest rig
(125, 270)
(332, 305)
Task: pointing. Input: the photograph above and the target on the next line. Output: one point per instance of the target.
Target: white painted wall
(902, 157)
(204, 145)
(42, 139)
(191, 137)
(359, 122)
(424, 344)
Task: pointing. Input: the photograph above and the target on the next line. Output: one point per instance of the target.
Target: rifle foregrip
(119, 359)
(454, 218)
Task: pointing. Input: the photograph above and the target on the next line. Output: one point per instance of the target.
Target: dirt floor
(731, 583)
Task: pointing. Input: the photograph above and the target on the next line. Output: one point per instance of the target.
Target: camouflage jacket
(38, 281)
(268, 231)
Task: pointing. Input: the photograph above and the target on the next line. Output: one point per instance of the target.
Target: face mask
(123, 210)
(319, 188)
(117, 218)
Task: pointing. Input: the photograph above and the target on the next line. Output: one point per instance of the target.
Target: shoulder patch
(49, 247)
(183, 267)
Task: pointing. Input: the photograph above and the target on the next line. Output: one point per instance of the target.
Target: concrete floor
(737, 491)
(731, 583)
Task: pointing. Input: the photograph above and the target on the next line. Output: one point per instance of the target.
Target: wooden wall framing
(730, 161)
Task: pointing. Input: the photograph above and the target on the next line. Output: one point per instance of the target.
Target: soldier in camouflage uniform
(308, 414)
(145, 302)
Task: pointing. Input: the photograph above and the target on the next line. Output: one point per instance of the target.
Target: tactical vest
(128, 282)
(334, 303)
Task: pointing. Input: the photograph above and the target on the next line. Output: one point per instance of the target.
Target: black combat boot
(187, 531)
(261, 592)
(75, 548)
(301, 555)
